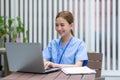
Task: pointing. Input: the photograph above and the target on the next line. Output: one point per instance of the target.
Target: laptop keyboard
(52, 69)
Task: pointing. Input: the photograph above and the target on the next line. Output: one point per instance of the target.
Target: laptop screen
(25, 57)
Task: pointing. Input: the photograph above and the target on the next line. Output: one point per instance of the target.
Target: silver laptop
(26, 57)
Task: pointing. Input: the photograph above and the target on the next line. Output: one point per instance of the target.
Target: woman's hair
(67, 16)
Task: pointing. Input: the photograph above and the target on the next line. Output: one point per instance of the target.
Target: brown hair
(67, 16)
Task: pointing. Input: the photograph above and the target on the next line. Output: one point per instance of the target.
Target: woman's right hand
(48, 64)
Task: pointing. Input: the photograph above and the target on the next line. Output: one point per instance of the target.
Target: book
(78, 70)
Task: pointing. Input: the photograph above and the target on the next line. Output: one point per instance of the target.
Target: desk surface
(59, 75)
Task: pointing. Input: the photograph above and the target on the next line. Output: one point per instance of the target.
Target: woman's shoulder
(75, 39)
(78, 42)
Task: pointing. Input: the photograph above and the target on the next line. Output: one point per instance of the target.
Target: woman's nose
(58, 27)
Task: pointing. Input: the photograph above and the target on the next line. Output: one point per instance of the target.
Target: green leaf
(19, 20)
(10, 22)
(20, 29)
(1, 21)
(25, 40)
(14, 36)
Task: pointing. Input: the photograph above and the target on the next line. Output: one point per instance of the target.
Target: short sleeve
(50, 52)
(47, 52)
(82, 54)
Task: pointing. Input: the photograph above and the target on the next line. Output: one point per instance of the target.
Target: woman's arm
(77, 64)
(48, 64)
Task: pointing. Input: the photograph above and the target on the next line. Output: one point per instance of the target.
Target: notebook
(26, 57)
(78, 70)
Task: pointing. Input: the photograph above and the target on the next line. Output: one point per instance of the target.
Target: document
(78, 70)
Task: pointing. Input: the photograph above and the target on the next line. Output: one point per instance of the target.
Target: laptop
(26, 57)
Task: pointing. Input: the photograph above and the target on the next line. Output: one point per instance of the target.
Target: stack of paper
(78, 70)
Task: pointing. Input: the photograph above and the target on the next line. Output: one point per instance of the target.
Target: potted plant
(14, 28)
(3, 31)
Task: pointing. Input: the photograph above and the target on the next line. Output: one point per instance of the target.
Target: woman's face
(63, 27)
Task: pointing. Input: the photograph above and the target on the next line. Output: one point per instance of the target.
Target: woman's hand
(48, 64)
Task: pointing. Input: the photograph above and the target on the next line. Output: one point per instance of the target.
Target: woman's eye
(62, 24)
(56, 25)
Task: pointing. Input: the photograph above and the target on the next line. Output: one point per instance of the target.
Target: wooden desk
(59, 75)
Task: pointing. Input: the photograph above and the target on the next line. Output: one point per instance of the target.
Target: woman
(66, 51)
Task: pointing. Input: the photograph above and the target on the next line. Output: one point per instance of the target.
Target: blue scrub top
(73, 51)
